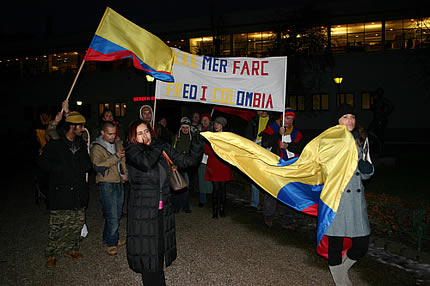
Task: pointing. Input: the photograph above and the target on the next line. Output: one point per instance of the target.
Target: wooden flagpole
(155, 105)
(74, 82)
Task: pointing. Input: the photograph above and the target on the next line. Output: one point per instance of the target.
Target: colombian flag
(312, 183)
(117, 38)
(274, 127)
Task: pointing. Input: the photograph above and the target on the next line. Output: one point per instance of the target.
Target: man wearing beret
(67, 162)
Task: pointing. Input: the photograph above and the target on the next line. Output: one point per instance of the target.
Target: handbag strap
(168, 159)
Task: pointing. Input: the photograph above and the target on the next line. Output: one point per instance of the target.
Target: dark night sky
(84, 15)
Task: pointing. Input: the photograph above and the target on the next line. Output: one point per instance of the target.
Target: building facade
(385, 48)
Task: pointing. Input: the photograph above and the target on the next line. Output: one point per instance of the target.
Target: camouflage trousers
(64, 232)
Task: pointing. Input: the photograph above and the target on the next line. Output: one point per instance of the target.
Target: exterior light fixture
(149, 78)
(338, 81)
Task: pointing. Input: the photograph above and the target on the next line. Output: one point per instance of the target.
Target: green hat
(75, 117)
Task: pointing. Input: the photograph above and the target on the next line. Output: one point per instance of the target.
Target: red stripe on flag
(93, 55)
(312, 210)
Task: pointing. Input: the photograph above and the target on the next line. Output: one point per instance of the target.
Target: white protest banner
(251, 83)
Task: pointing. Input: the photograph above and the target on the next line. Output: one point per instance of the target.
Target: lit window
(296, 102)
(201, 46)
(366, 100)
(102, 107)
(347, 98)
(320, 101)
(120, 109)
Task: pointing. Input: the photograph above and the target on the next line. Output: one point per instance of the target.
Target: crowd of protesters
(139, 156)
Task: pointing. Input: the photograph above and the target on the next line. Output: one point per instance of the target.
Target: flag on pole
(312, 183)
(118, 38)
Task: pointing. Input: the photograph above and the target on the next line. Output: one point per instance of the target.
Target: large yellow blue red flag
(117, 38)
(312, 183)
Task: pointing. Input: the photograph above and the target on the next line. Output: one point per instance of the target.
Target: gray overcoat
(351, 218)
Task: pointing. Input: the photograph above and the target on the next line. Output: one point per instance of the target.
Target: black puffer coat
(146, 166)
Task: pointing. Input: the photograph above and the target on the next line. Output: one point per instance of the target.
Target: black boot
(214, 210)
(222, 198)
(221, 210)
(215, 205)
(221, 207)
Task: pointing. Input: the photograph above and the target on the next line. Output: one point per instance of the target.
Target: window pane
(365, 100)
(101, 108)
(180, 44)
(292, 102)
(324, 102)
(394, 34)
(338, 37)
(349, 98)
(226, 45)
(123, 109)
(316, 102)
(373, 35)
(300, 102)
(355, 28)
(64, 62)
(240, 45)
(345, 98)
(201, 46)
(355, 39)
(117, 110)
(409, 24)
(356, 35)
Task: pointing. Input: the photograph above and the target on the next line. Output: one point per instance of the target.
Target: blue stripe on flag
(325, 218)
(300, 196)
(283, 162)
(104, 46)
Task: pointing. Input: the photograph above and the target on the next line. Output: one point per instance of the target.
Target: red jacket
(216, 169)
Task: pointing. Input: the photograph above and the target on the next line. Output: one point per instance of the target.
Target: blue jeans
(112, 198)
(255, 196)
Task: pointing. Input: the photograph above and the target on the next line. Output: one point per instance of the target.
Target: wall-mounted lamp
(149, 78)
(338, 81)
(79, 103)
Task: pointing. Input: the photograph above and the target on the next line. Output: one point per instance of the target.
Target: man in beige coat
(108, 158)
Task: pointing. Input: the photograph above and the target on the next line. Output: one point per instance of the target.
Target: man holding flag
(285, 140)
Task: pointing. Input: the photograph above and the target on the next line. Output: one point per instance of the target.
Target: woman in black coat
(151, 231)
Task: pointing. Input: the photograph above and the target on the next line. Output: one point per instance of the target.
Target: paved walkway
(236, 250)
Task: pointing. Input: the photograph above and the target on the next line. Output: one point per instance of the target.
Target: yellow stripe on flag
(146, 46)
(330, 159)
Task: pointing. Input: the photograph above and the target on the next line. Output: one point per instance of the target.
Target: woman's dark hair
(132, 134)
(358, 132)
(361, 134)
